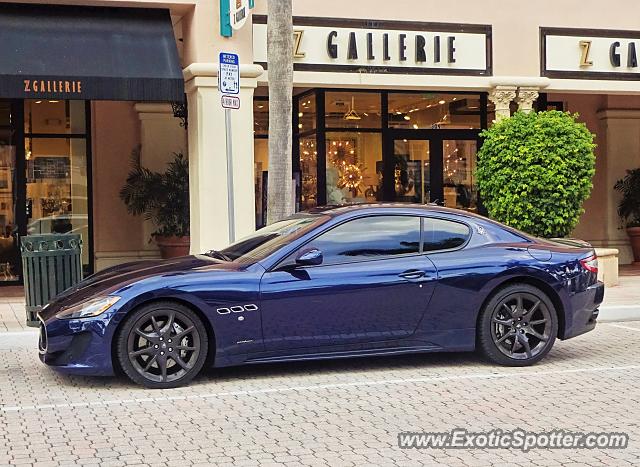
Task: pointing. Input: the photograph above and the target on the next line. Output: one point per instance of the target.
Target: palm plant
(629, 206)
(162, 198)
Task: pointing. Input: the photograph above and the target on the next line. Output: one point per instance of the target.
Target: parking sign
(229, 73)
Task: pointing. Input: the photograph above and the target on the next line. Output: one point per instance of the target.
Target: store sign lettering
(614, 54)
(598, 54)
(373, 46)
(381, 46)
(52, 86)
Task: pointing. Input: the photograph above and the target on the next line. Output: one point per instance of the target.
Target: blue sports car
(332, 282)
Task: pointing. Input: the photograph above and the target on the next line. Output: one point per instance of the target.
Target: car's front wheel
(162, 345)
(518, 326)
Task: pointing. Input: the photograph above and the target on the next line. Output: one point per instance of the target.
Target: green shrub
(535, 170)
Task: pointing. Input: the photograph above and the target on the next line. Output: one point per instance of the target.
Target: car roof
(337, 210)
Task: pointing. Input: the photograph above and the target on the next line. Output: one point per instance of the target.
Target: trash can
(51, 263)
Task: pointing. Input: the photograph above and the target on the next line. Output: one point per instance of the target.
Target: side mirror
(309, 257)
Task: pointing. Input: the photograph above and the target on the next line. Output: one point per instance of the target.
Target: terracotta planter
(173, 247)
(634, 238)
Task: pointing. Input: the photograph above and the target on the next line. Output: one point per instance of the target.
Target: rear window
(441, 234)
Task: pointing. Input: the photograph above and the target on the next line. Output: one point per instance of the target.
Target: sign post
(229, 86)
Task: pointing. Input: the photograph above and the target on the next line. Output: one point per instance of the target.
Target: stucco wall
(115, 132)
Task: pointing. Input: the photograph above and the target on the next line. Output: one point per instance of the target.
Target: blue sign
(229, 73)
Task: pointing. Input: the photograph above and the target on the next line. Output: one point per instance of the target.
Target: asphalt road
(337, 413)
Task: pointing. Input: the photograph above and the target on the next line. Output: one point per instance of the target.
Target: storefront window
(43, 116)
(9, 256)
(421, 111)
(459, 166)
(308, 172)
(307, 113)
(260, 117)
(354, 167)
(353, 110)
(56, 169)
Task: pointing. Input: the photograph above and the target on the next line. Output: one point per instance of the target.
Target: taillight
(590, 263)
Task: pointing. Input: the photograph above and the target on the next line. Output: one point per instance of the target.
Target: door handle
(413, 275)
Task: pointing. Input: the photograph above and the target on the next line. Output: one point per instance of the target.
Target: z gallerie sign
(589, 54)
(370, 46)
(52, 86)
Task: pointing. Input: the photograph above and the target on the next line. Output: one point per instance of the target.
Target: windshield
(267, 240)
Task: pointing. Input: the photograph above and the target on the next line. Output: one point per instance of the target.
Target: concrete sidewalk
(621, 303)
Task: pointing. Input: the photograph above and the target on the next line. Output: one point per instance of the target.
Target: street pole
(230, 203)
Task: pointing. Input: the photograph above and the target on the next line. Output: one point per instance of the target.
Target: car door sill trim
(347, 354)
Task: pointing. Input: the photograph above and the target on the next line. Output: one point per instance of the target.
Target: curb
(613, 313)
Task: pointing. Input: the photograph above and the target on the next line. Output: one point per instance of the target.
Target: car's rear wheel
(518, 326)
(162, 345)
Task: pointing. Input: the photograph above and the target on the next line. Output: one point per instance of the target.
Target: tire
(517, 316)
(162, 345)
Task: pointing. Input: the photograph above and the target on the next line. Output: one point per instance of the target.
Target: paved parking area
(337, 413)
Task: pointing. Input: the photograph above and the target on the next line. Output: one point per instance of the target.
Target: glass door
(459, 178)
(411, 171)
(434, 168)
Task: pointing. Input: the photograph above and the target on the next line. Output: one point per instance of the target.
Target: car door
(372, 285)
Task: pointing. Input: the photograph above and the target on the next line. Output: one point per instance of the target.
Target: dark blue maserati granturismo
(333, 282)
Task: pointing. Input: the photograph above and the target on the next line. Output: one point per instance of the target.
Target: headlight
(88, 309)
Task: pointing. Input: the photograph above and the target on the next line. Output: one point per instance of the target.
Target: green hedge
(535, 170)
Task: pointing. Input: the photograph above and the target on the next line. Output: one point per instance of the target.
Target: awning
(70, 52)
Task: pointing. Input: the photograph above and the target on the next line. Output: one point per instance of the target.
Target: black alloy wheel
(518, 327)
(162, 345)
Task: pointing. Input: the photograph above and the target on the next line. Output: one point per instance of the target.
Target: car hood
(114, 278)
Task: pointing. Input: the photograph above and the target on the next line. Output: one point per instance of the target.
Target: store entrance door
(432, 167)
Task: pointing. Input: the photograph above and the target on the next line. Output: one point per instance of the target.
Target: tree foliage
(161, 197)
(535, 170)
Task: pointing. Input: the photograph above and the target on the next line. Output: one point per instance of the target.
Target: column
(526, 97)
(501, 96)
(208, 161)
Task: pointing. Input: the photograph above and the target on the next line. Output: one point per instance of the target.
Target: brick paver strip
(336, 413)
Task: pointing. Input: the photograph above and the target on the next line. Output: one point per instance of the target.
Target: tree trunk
(280, 69)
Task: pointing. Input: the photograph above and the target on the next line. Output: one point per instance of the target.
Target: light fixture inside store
(441, 102)
(352, 114)
(38, 102)
(406, 117)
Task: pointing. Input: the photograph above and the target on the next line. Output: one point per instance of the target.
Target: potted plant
(162, 198)
(629, 208)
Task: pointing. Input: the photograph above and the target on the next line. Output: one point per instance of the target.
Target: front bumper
(584, 311)
(76, 346)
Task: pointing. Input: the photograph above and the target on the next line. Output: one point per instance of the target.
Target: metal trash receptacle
(51, 263)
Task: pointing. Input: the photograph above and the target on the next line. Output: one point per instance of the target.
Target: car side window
(369, 238)
(441, 234)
